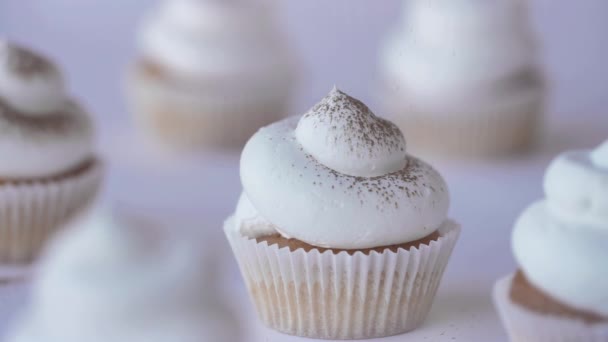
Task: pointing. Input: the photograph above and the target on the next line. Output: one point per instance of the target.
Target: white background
(337, 41)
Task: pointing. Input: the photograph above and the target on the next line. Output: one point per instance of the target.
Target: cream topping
(42, 131)
(462, 48)
(576, 185)
(249, 222)
(560, 242)
(110, 280)
(352, 193)
(343, 134)
(210, 37)
(30, 83)
(599, 156)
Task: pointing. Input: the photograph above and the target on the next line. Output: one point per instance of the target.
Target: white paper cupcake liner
(493, 131)
(524, 325)
(30, 212)
(342, 296)
(193, 118)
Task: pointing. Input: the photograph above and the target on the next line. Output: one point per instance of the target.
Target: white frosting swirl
(110, 281)
(373, 200)
(248, 220)
(42, 132)
(462, 48)
(30, 83)
(561, 243)
(344, 135)
(195, 37)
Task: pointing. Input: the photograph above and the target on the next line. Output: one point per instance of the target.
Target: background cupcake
(560, 292)
(461, 78)
(210, 72)
(339, 233)
(48, 170)
(111, 279)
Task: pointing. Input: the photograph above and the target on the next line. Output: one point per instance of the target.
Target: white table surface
(202, 191)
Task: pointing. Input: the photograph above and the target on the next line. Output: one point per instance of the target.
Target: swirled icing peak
(342, 133)
(576, 185)
(120, 280)
(29, 83)
(339, 178)
(599, 156)
(560, 242)
(43, 132)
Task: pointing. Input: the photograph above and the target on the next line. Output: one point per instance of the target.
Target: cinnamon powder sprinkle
(353, 123)
(28, 64)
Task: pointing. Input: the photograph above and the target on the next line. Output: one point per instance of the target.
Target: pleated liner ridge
(342, 296)
(31, 212)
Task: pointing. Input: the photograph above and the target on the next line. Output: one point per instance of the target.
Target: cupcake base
(32, 211)
(331, 295)
(180, 117)
(179, 128)
(480, 133)
(525, 325)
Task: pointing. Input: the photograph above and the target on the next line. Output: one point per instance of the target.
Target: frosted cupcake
(560, 292)
(48, 170)
(113, 280)
(461, 78)
(339, 233)
(210, 73)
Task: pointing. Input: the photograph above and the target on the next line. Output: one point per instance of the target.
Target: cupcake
(49, 171)
(462, 78)
(111, 279)
(339, 233)
(560, 291)
(210, 73)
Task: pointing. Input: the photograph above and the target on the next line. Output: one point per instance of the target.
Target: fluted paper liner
(342, 296)
(184, 118)
(524, 325)
(30, 212)
(509, 128)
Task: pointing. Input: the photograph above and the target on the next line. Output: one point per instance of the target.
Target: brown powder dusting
(61, 122)
(27, 63)
(294, 244)
(527, 295)
(406, 182)
(354, 124)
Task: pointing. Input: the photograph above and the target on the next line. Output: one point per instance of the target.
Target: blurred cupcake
(210, 73)
(339, 233)
(119, 281)
(48, 170)
(560, 292)
(462, 77)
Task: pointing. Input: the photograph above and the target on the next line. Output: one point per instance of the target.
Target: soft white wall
(337, 41)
